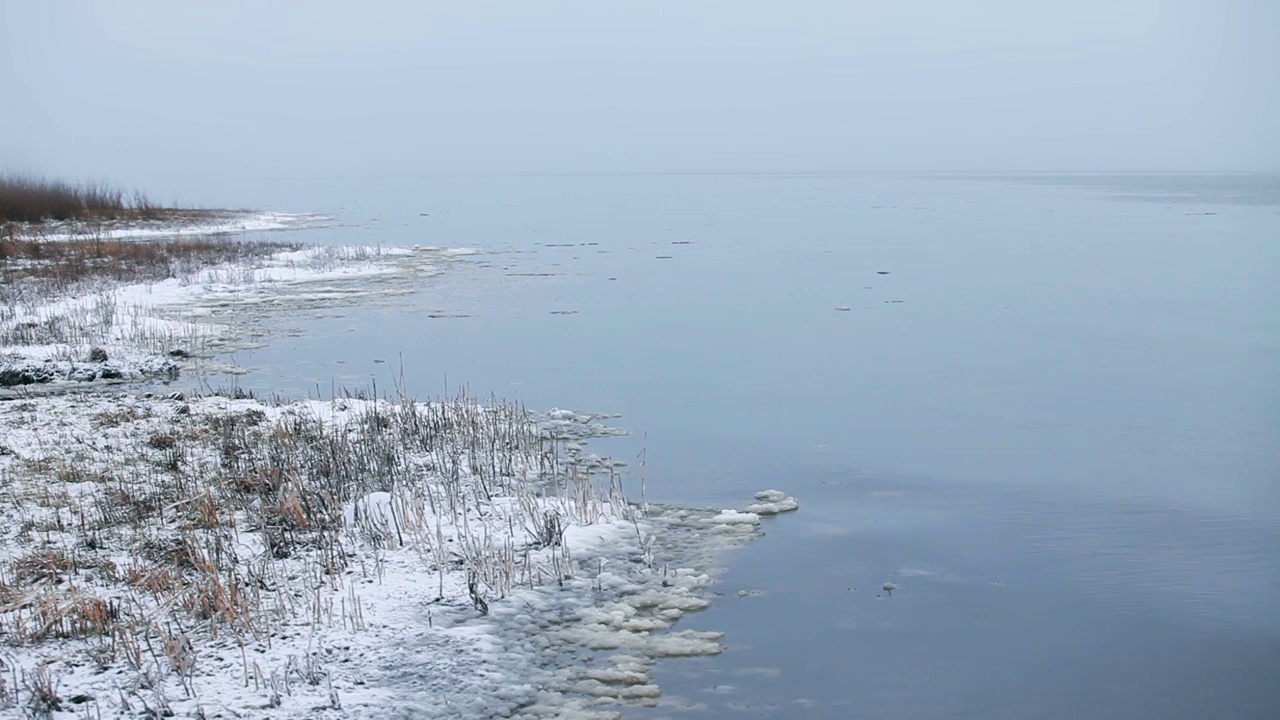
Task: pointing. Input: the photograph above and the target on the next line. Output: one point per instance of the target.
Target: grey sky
(150, 92)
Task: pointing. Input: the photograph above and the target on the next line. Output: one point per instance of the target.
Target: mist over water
(225, 105)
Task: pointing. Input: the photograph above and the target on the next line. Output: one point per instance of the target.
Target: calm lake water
(1050, 414)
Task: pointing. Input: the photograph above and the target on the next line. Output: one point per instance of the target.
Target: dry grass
(33, 272)
(285, 481)
(47, 566)
(117, 417)
(161, 441)
(42, 688)
(55, 266)
(156, 580)
(69, 615)
(246, 541)
(28, 199)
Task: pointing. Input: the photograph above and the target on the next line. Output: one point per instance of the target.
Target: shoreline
(351, 557)
(58, 334)
(175, 223)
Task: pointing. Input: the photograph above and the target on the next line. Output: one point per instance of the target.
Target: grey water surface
(1046, 408)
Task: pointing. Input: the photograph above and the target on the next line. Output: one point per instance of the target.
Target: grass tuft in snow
(156, 537)
(34, 268)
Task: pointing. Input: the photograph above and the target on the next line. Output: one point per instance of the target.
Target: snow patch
(194, 224)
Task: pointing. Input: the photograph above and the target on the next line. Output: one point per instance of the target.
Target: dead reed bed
(30, 199)
(32, 269)
(139, 533)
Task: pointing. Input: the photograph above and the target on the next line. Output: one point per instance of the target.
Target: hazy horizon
(175, 97)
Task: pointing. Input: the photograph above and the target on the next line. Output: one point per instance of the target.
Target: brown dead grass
(158, 581)
(33, 270)
(61, 263)
(45, 566)
(74, 615)
(59, 613)
(218, 599)
(26, 199)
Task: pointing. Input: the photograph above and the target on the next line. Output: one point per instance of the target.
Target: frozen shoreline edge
(617, 600)
(103, 330)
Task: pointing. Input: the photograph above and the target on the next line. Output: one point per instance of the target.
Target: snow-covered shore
(345, 558)
(221, 556)
(177, 224)
(111, 331)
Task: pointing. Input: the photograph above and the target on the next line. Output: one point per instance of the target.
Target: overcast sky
(144, 92)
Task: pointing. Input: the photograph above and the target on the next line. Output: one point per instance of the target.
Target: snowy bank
(100, 329)
(348, 558)
(176, 224)
(225, 557)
